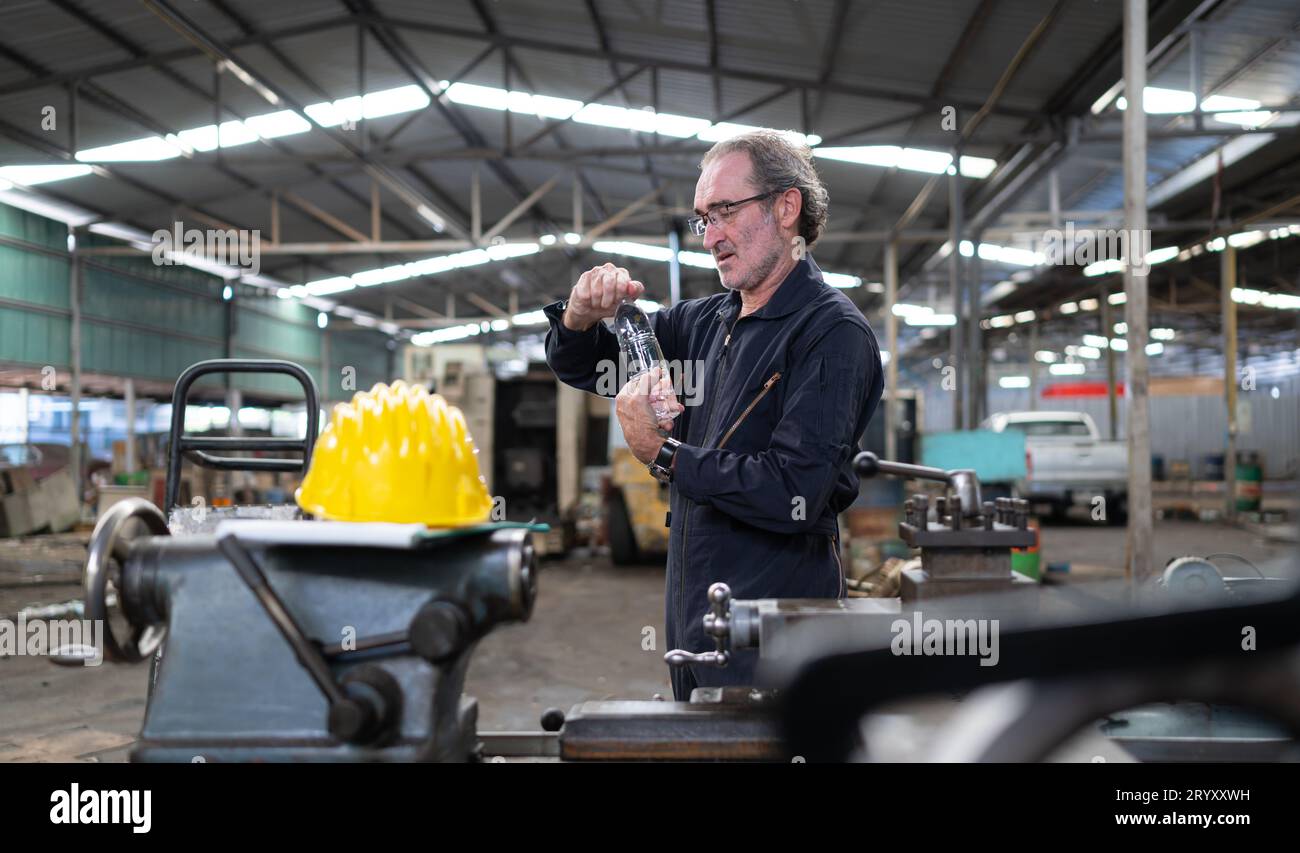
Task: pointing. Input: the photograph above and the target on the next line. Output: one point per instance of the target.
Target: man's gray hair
(780, 163)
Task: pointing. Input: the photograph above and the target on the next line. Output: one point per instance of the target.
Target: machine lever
(308, 654)
(963, 481)
(717, 624)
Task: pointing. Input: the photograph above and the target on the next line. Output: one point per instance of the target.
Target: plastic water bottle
(641, 353)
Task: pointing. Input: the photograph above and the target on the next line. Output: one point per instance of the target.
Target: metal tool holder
(966, 548)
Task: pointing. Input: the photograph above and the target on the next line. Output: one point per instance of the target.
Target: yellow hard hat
(396, 453)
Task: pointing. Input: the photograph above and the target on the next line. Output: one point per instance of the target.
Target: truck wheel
(1119, 516)
(622, 539)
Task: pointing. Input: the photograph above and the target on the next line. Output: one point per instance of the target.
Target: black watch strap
(664, 458)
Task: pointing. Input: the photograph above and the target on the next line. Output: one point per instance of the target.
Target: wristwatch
(661, 467)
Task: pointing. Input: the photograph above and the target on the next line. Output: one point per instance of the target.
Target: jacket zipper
(767, 386)
(686, 521)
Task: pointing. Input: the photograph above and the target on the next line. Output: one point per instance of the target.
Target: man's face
(747, 247)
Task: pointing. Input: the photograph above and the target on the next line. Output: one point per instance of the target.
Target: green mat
(479, 529)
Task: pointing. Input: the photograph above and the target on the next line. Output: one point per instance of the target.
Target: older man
(791, 374)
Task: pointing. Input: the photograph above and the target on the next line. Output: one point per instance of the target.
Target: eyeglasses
(721, 213)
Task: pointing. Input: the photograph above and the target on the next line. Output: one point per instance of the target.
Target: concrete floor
(584, 641)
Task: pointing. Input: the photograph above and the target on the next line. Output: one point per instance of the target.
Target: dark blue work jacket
(783, 396)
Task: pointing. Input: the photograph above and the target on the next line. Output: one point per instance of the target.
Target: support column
(891, 346)
(954, 286)
(1033, 365)
(74, 339)
(970, 375)
(1135, 286)
(1108, 332)
(674, 267)
(1228, 280)
(130, 426)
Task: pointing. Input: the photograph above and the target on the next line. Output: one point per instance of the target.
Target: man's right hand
(597, 294)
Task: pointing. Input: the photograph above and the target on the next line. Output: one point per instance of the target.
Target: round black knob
(866, 464)
(439, 630)
(552, 720)
(371, 710)
(350, 720)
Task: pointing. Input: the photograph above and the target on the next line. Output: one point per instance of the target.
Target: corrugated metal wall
(1183, 427)
(151, 322)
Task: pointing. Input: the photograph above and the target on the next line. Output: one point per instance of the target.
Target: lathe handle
(868, 464)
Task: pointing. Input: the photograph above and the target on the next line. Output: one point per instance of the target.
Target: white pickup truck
(1068, 463)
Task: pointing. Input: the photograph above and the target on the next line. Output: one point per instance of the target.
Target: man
(791, 374)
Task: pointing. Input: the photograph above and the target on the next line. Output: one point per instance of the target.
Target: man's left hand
(634, 407)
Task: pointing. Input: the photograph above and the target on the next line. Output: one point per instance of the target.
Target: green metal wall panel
(115, 296)
(27, 276)
(363, 351)
(150, 321)
(21, 225)
(30, 337)
(132, 352)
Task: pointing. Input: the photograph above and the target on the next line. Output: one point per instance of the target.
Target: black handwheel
(109, 546)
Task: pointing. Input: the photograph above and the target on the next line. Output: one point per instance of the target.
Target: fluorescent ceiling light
(403, 99)
(727, 130)
(1121, 328)
(530, 318)
(1163, 334)
(1155, 348)
(1117, 298)
(431, 216)
(324, 286)
(1025, 317)
(1159, 256)
(1223, 108)
(1046, 356)
(1281, 301)
(133, 150)
(1096, 341)
(841, 280)
(1087, 352)
(272, 125)
(1014, 382)
(1074, 369)
(1245, 239)
(911, 159)
(1069, 307)
(1003, 254)
(1110, 265)
(930, 319)
(633, 250)
(1089, 304)
(30, 176)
